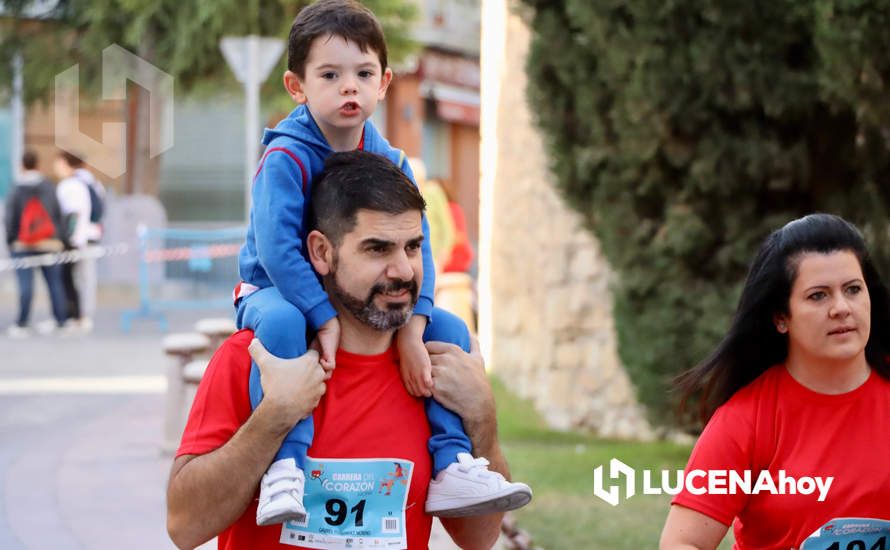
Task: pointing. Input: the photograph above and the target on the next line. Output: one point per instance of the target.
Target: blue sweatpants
(282, 329)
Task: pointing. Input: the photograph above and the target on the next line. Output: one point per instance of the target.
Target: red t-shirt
(776, 424)
(365, 413)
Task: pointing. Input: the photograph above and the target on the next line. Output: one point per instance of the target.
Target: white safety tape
(66, 257)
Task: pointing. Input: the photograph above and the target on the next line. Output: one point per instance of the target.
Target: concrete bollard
(182, 349)
(217, 329)
(192, 374)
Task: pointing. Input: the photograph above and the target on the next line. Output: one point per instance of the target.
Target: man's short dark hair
(71, 159)
(29, 160)
(344, 18)
(358, 180)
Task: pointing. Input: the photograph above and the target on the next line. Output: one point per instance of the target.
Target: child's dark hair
(344, 18)
(753, 344)
(358, 180)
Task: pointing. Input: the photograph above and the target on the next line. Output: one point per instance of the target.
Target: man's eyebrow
(371, 242)
(374, 241)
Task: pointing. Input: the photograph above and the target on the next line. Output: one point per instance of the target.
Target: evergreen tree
(684, 132)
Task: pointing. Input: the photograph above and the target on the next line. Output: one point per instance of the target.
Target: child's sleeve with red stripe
(424, 305)
(279, 204)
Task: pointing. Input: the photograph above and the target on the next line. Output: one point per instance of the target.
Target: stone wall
(552, 335)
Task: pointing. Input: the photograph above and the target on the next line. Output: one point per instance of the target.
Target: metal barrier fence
(182, 269)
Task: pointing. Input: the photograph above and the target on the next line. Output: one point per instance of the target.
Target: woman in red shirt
(799, 388)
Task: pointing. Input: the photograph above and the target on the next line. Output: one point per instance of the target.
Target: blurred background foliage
(684, 132)
(179, 37)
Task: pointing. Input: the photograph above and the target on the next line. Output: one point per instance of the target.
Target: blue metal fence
(184, 269)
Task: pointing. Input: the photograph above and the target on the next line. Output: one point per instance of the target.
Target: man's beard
(395, 316)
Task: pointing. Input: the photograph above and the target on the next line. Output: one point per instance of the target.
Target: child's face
(341, 85)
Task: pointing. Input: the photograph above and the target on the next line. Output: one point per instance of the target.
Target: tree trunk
(143, 172)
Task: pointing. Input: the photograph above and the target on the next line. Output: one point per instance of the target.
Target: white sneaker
(70, 328)
(47, 326)
(281, 494)
(468, 488)
(18, 333)
(86, 325)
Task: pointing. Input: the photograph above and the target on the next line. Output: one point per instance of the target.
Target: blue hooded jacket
(274, 253)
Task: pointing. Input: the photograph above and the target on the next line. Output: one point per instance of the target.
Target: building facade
(432, 107)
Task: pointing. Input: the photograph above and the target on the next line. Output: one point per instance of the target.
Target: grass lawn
(559, 466)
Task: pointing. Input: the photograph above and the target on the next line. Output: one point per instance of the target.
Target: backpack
(97, 205)
(35, 224)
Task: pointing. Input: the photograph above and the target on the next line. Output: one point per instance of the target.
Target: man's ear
(294, 87)
(321, 252)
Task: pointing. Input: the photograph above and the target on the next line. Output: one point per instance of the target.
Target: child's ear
(294, 87)
(385, 80)
(321, 252)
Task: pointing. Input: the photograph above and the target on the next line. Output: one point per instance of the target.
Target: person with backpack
(79, 276)
(97, 201)
(87, 280)
(34, 226)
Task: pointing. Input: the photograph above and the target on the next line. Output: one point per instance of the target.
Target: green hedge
(685, 131)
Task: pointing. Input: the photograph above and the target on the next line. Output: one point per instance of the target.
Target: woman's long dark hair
(753, 344)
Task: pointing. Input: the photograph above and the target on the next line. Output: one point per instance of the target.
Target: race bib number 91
(850, 534)
(353, 503)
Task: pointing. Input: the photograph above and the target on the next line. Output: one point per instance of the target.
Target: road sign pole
(252, 118)
(251, 58)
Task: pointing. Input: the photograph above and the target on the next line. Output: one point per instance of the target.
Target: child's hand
(415, 365)
(327, 341)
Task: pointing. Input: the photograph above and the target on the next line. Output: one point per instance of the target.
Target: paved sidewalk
(83, 468)
(96, 485)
